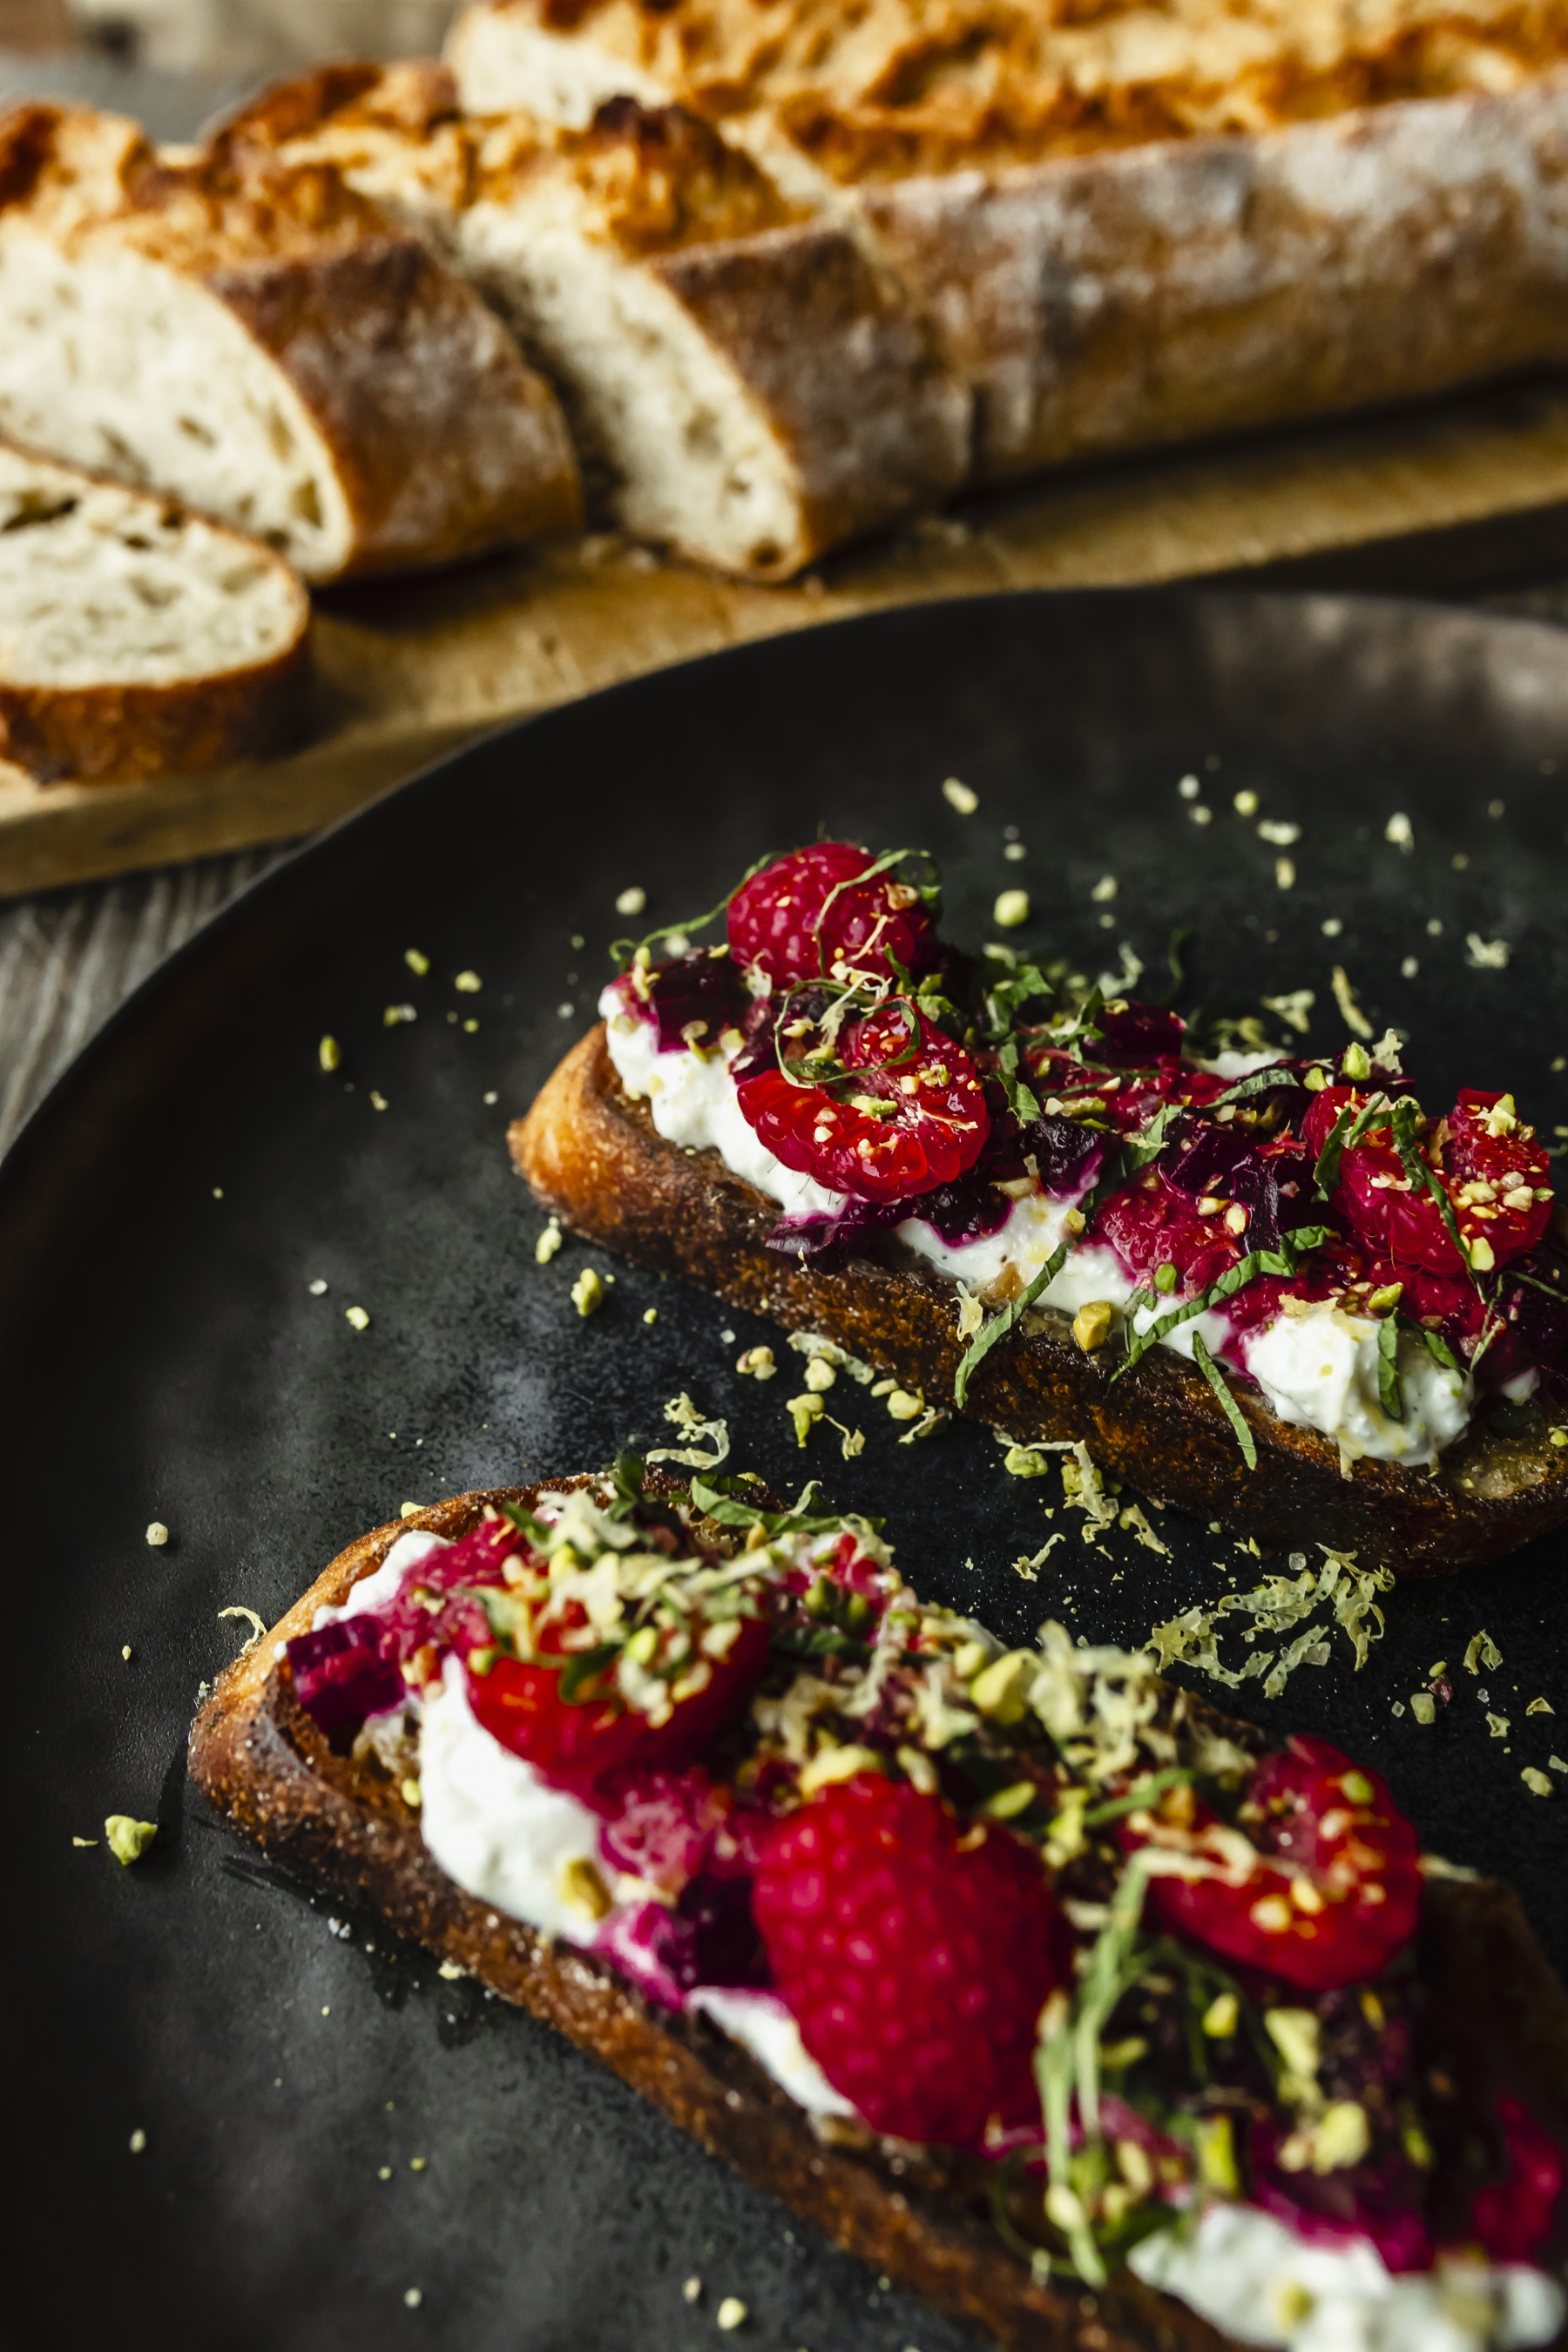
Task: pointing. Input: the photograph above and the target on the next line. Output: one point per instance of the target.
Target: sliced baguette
(1132, 225)
(271, 350)
(138, 639)
(919, 2217)
(595, 1160)
(745, 384)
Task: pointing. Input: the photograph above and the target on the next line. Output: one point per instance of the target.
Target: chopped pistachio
(1001, 1690)
(1012, 908)
(587, 1293)
(757, 1364)
(357, 1317)
(1092, 1323)
(1006, 1804)
(960, 797)
(128, 1839)
(805, 1411)
(410, 1792)
(1538, 1783)
(837, 1764)
(632, 900)
(1217, 2155)
(157, 1534)
(1221, 2016)
(468, 984)
(1423, 1706)
(819, 1374)
(732, 2313)
(581, 1887)
(329, 1053)
(549, 1243)
(905, 1406)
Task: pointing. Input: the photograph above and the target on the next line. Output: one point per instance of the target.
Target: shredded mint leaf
(583, 1668)
(1256, 1082)
(1416, 1167)
(1435, 1342)
(1282, 1262)
(979, 1346)
(1389, 1393)
(1221, 1387)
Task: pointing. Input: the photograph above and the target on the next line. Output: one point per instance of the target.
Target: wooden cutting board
(409, 669)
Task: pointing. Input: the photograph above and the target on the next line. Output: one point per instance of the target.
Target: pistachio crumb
(732, 2313)
(1012, 909)
(357, 1317)
(1091, 1324)
(410, 1510)
(378, 1100)
(317, 1289)
(692, 2289)
(587, 1292)
(904, 1405)
(650, 1314)
(549, 1241)
(157, 1534)
(419, 964)
(819, 1374)
(329, 1054)
(1538, 1783)
(138, 2141)
(468, 984)
(960, 797)
(128, 1839)
(413, 2297)
(631, 901)
(450, 1972)
(1423, 1706)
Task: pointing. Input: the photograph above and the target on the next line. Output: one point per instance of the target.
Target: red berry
(934, 1128)
(916, 1965)
(781, 920)
(1490, 1180)
(1514, 2217)
(1333, 1891)
(575, 1743)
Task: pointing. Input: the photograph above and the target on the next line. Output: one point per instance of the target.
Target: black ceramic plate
(327, 2124)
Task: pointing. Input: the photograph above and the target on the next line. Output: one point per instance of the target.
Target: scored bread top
(79, 175)
(910, 86)
(649, 180)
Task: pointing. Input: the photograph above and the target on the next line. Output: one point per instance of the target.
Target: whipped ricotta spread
(1317, 1368)
(1255, 2278)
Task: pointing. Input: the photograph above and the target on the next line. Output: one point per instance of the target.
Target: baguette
(1132, 226)
(274, 351)
(744, 385)
(593, 1158)
(921, 2215)
(137, 639)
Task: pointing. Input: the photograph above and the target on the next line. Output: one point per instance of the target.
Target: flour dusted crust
(921, 2216)
(137, 639)
(1131, 224)
(267, 345)
(594, 1158)
(746, 382)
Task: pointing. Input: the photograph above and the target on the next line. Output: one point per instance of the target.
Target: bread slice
(1133, 225)
(595, 1160)
(137, 639)
(920, 2217)
(271, 350)
(744, 383)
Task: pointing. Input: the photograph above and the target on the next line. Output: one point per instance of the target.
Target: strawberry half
(577, 1741)
(1322, 1891)
(906, 1110)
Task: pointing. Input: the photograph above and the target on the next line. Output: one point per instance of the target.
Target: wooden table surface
(70, 957)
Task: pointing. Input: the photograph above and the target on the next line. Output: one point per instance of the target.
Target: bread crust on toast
(922, 2219)
(594, 1158)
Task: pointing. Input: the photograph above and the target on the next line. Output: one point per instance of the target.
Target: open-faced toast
(956, 2227)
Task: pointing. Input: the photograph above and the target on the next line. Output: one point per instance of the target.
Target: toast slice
(1131, 224)
(744, 383)
(925, 2217)
(138, 639)
(271, 350)
(595, 1160)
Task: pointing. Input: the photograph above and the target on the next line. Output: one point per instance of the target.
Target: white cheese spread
(761, 2023)
(381, 1586)
(1254, 2278)
(1319, 1370)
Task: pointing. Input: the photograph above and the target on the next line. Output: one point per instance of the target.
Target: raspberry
(1515, 2218)
(782, 922)
(916, 1966)
(1491, 1182)
(935, 1126)
(576, 1743)
(1335, 1889)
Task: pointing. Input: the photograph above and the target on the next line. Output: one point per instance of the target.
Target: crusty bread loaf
(137, 639)
(594, 1158)
(1131, 224)
(921, 2216)
(745, 384)
(271, 350)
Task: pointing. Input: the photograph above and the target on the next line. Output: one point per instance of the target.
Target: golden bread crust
(594, 1158)
(920, 2218)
